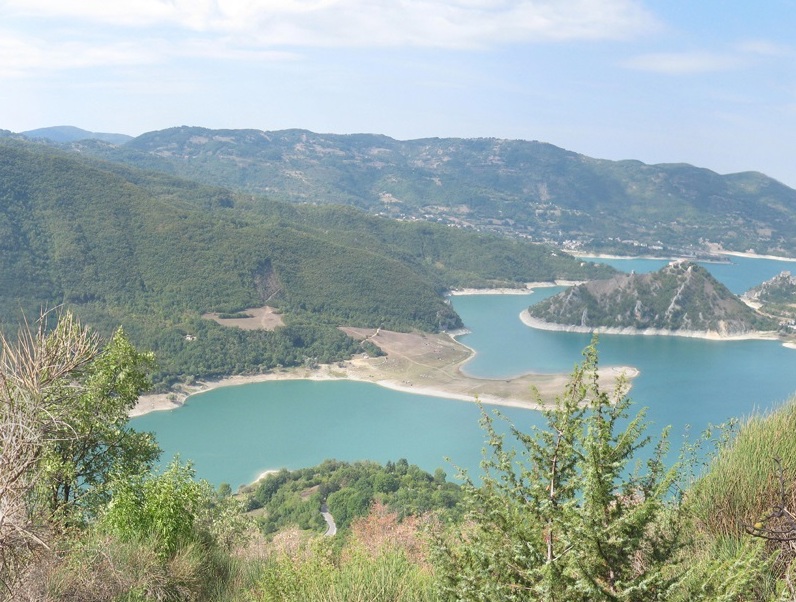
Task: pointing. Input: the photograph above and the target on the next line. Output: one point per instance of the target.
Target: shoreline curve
(416, 363)
(532, 322)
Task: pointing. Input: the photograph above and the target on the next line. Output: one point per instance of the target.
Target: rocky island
(681, 299)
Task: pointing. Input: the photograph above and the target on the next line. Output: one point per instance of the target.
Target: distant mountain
(152, 252)
(68, 133)
(682, 297)
(514, 187)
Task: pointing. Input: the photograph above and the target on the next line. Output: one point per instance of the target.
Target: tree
(163, 507)
(561, 515)
(96, 440)
(32, 373)
(63, 404)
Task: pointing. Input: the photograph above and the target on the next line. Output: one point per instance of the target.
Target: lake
(232, 434)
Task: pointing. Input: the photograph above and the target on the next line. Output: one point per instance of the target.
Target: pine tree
(564, 514)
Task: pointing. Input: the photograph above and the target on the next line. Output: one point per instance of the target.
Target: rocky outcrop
(780, 289)
(680, 298)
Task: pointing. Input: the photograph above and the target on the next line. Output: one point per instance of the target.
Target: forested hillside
(153, 253)
(515, 187)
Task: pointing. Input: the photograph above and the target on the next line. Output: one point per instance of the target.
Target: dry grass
(262, 318)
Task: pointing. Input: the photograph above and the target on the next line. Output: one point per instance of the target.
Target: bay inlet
(233, 434)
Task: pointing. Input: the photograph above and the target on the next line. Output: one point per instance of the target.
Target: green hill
(515, 187)
(68, 133)
(153, 253)
(776, 297)
(679, 297)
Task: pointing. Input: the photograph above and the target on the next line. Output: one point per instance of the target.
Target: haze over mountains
(68, 133)
(153, 232)
(514, 187)
(154, 252)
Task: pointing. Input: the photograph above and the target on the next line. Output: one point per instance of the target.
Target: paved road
(332, 527)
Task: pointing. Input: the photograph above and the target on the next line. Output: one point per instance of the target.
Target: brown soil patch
(262, 318)
(430, 363)
(427, 364)
(308, 493)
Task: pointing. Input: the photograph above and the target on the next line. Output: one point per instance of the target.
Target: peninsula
(680, 299)
(420, 363)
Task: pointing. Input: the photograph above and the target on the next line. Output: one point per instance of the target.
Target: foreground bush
(384, 559)
(565, 515)
(753, 473)
(743, 483)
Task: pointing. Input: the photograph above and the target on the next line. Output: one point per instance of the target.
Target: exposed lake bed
(235, 433)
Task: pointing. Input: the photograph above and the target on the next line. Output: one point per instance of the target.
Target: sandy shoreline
(173, 400)
(755, 256)
(714, 252)
(532, 322)
(417, 363)
(454, 385)
(527, 290)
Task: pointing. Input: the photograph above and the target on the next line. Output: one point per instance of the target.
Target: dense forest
(292, 498)
(153, 253)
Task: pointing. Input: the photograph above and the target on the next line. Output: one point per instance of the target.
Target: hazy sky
(708, 82)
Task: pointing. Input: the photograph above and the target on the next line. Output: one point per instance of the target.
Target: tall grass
(743, 484)
(100, 568)
(727, 570)
(360, 577)
(379, 559)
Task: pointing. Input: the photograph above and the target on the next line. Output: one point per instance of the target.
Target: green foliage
(172, 510)
(570, 518)
(742, 483)
(580, 510)
(728, 570)
(321, 575)
(741, 489)
(154, 253)
(95, 440)
(295, 498)
(162, 507)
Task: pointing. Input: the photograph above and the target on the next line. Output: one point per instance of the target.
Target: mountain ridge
(153, 253)
(70, 133)
(519, 188)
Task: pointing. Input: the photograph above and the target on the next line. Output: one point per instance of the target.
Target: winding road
(331, 526)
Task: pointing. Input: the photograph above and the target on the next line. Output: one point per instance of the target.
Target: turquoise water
(234, 433)
(739, 274)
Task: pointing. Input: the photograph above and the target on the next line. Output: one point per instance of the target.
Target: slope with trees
(511, 186)
(154, 253)
(349, 490)
(581, 509)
